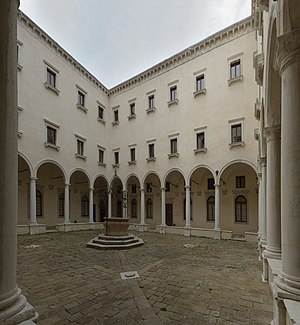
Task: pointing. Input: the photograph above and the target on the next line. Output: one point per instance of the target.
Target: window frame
(61, 204)
(55, 127)
(39, 203)
(238, 215)
(80, 144)
(173, 93)
(151, 143)
(233, 124)
(173, 140)
(50, 70)
(240, 182)
(210, 207)
(233, 62)
(84, 205)
(81, 99)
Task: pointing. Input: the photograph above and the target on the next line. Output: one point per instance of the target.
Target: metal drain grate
(129, 275)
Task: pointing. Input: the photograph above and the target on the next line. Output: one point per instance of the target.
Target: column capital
(163, 189)
(288, 49)
(124, 191)
(142, 189)
(272, 132)
(33, 179)
(217, 185)
(67, 184)
(187, 188)
(91, 189)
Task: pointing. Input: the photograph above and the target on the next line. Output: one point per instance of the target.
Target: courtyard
(182, 280)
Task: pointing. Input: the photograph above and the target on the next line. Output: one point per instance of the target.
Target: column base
(217, 233)
(92, 225)
(288, 288)
(161, 229)
(16, 310)
(187, 231)
(272, 253)
(261, 248)
(142, 227)
(35, 228)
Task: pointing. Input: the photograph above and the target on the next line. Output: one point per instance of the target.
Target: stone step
(119, 238)
(115, 242)
(120, 245)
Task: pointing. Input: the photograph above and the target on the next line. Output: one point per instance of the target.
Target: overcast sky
(117, 39)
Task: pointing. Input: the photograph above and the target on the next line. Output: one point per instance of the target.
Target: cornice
(50, 42)
(220, 38)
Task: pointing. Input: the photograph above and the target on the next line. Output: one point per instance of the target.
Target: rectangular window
(132, 154)
(151, 150)
(80, 147)
(132, 109)
(173, 93)
(116, 115)
(210, 184)
(151, 101)
(235, 69)
(51, 135)
(51, 78)
(173, 143)
(236, 133)
(200, 140)
(101, 156)
(200, 83)
(81, 98)
(101, 112)
(240, 182)
(116, 154)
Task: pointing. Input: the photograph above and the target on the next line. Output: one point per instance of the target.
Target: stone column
(217, 229)
(262, 197)
(273, 248)
(33, 200)
(142, 207)
(109, 203)
(67, 203)
(91, 204)
(163, 210)
(289, 57)
(125, 203)
(14, 308)
(187, 230)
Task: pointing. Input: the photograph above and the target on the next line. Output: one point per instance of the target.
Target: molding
(77, 155)
(80, 137)
(231, 81)
(173, 155)
(237, 144)
(48, 86)
(51, 66)
(51, 145)
(100, 147)
(201, 128)
(196, 151)
(172, 83)
(101, 120)
(151, 92)
(83, 108)
(131, 117)
(173, 135)
(50, 123)
(236, 120)
(199, 92)
(149, 110)
(173, 102)
(150, 159)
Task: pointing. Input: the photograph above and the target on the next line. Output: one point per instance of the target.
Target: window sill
(173, 155)
(20, 134)
(196, 151)
(48, 86)
(101, 120)
(82, 108)
(131, 117)
(151, 109)
(237, 144)
(231, 81)
(19, 66)
(150, 159)
(77, 155)
(199, 92)
(133, 162)
(116, 165)
(115, 123)
(173, 102)
(101, 164)
(51, 145)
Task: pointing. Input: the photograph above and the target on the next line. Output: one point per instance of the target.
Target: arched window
(191, 209)
(211, 208)
(39, 203)
(84, 206)
(133, 208)
(149, 205)
(61, 205)
(241, 209)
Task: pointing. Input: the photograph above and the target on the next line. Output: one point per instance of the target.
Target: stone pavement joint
(213, 282)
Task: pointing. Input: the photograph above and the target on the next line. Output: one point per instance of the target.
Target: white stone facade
(180, 131)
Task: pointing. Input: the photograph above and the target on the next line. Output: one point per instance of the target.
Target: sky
(117, 39)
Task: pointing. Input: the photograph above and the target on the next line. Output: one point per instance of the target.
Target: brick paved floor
(212, 282)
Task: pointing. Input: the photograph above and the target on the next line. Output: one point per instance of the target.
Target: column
(163, 207)
(259, 207)
(273, 248)
(33, 200)
(187, 207)
(142, 206)
(109, 203)
(125, 203)
(91, 204)
(67, 203)
(13, 305)
(289, 56)
(263, 239)
(217, 207)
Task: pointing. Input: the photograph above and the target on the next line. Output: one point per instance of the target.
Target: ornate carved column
(273, 248)
(289, 58)
(217, 228)
(67, 204)
(14, 308)
(187, 230)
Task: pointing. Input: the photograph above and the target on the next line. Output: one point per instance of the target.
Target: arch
(149, 173)
(32, 174)
(173, 170)
(132, 175)
(115, 177)
(98, 176)
(197, 167)
(74, 170)
(50, 161)
(236, 161)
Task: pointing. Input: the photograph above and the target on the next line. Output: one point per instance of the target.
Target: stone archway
(133, 188)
